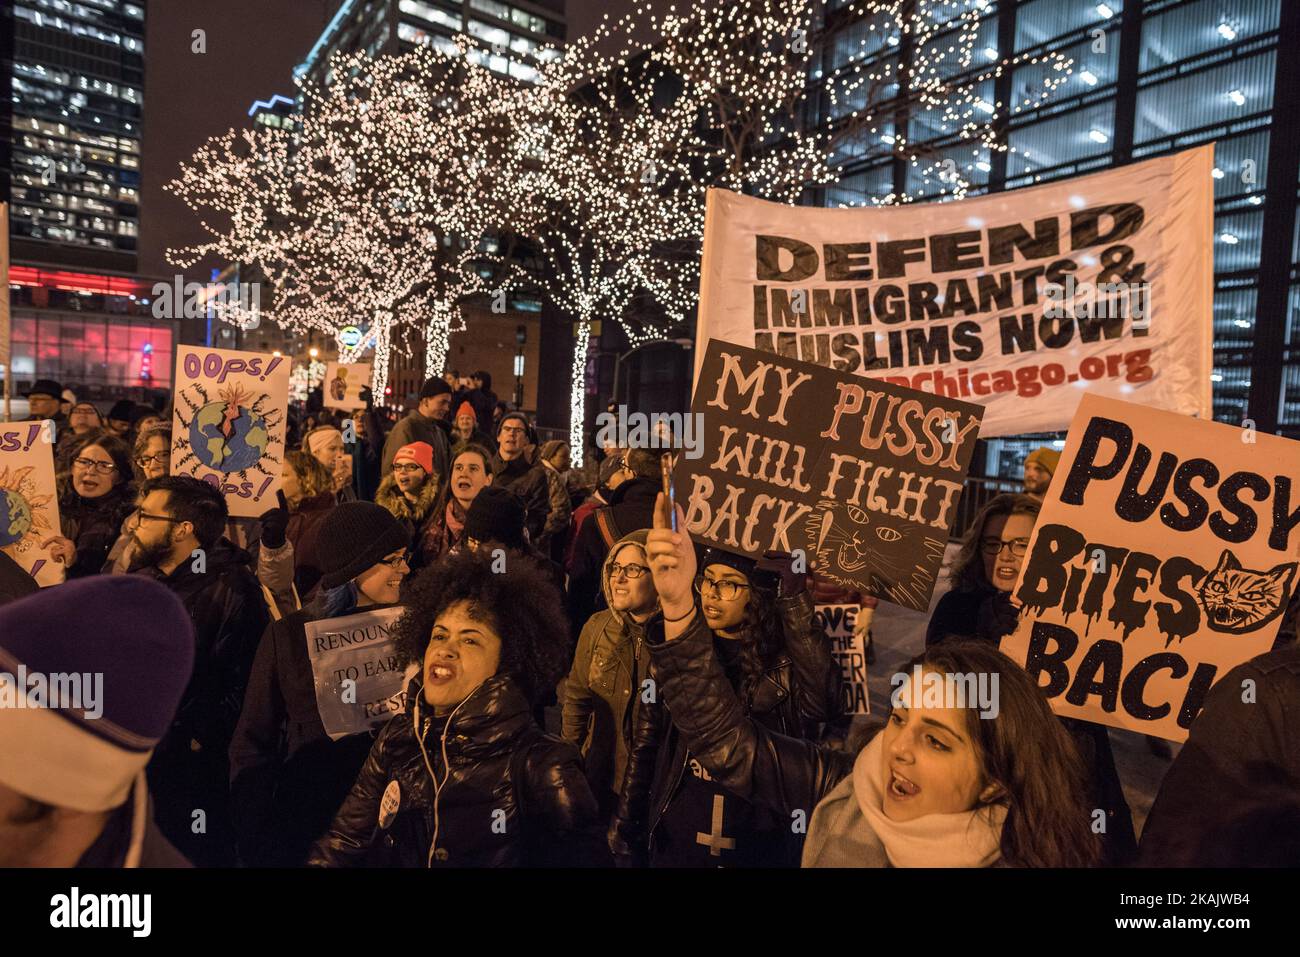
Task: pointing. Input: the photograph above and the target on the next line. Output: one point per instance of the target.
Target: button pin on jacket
(389, 804)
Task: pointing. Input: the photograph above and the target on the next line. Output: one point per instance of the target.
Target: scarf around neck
(965, 839)
(455, 519)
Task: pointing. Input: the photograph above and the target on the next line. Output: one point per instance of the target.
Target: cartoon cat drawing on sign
(850, 539)
(1238, 600)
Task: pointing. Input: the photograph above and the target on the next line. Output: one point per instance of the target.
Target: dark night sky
(252, 48)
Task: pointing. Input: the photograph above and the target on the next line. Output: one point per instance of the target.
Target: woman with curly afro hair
(465, 777)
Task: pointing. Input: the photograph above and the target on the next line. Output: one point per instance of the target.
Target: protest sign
(861, 474)
(355, 671)
(29, 498)
(343, 384)
(1162, 558)
(849, 650)
(229, 421)
(1021, 301)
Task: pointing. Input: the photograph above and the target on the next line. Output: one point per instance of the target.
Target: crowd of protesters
(695, 702)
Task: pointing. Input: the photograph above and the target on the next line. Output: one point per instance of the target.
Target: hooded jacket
(631, 506)
(602, 691)
(484, 787)
(415, 516)
(798, 690)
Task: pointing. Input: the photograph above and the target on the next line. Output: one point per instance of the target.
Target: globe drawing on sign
(24, 510)
(15, 517)
(228, 437)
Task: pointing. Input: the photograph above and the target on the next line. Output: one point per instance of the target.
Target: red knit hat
(465, 409)
(421, 453)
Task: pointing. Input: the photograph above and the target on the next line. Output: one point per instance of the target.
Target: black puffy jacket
(508, 793)
(798, 691)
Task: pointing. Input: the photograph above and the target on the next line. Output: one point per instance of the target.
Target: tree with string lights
(351, 218)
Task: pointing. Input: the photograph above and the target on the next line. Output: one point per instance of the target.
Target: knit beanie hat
(421, 453)
(91, 673)
(741, 563)
(1045, 458)
(122, 410)
(434, 387)
(354, 536)
(496, 515)
(466, 409)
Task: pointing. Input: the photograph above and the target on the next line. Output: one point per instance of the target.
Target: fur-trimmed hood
(391, 498)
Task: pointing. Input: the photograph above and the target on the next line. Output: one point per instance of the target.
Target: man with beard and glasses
(176, 539)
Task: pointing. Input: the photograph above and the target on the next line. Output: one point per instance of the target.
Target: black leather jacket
(514, 796)
(797, 692)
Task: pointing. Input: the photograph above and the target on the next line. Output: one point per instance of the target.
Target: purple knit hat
(91, 673)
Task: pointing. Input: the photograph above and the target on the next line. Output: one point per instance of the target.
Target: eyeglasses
(159, 458)
(718, 588)
(103, 468)
(994, 546)
(512, 430)
(631, 571)
(402, 559)
(141, 516)
(408, 467)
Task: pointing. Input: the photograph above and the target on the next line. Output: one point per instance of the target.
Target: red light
(78, 281)
(388, 390)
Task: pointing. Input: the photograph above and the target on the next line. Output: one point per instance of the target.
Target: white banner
(354, 666)
(1020, 301)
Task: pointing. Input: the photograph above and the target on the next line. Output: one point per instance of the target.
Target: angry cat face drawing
(1239, 600)
(854, 548)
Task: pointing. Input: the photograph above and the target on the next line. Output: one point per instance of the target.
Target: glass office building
(77, 100)
(1149, 77)
(509, 37)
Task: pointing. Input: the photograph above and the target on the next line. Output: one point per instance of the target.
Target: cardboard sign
(343, 384)
(229, 421)
(850, 651)
(29, 498)
(1163, 557)
(1022, 301)
(354, 667)
(862, 475)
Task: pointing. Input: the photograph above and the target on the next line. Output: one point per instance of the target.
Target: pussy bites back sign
(1164, 555)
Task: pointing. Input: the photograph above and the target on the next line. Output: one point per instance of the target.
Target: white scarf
(965, 839)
